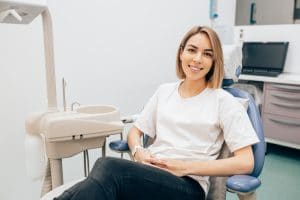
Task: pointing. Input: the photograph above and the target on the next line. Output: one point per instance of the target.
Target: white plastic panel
(21, 12)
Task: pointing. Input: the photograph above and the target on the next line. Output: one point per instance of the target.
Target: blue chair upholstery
(250, 182)
(241, 184)
(119, 146)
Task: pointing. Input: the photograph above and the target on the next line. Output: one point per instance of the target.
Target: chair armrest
(129, 119)
(242, 183)
(119, 146)
(122, 145)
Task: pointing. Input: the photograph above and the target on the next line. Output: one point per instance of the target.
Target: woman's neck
(189, 88)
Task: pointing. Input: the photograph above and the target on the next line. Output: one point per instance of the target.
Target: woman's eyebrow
(195, 47)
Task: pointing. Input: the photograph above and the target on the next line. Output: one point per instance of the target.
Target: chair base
(248, 196)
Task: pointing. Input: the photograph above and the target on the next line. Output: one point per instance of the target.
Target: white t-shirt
(195, 128)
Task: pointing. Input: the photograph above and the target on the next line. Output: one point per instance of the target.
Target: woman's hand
(142, 155)
(176, 167)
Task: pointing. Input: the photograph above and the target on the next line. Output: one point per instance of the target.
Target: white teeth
(195, 68)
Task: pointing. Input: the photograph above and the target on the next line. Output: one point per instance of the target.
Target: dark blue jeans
(117, 179)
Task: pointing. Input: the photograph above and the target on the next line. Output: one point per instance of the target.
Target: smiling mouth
(196, 69)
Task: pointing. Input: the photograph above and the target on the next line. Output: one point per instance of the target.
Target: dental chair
(243, 185)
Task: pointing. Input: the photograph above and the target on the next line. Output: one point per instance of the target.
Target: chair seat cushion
(119, 145)
(242, 183)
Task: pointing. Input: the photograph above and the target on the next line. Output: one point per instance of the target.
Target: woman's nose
(197, 57)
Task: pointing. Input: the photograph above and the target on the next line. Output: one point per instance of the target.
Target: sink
(85, 122)
(104, 113)
(96, 109)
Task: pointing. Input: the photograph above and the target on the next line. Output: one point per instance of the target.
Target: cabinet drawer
(282, 103)
(283, 87)
(282, 128)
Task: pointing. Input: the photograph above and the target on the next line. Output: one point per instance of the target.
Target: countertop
(284, 78)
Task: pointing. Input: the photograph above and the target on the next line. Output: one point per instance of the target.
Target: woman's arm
(134, 140)
(134, 137)
(241, 163)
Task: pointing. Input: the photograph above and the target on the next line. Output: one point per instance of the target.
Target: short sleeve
(236, 125)
(146, 121)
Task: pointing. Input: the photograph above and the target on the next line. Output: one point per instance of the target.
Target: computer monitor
(264, 58)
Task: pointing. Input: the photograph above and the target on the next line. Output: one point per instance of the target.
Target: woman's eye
(208, 54)
(191, 50)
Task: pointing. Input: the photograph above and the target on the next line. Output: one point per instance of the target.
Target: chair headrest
(232, 63)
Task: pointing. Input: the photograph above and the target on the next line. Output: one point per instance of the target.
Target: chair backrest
(254, 116)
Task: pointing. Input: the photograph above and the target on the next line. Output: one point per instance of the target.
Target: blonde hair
(215, 76)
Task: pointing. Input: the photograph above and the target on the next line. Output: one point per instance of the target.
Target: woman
(189, 120)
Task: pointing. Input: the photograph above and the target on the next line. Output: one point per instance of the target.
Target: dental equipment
(56, 134)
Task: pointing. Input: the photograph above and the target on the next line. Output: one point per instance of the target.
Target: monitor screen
(269, 55)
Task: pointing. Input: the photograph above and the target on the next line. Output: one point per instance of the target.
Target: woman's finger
(153, 165)
(151, 160)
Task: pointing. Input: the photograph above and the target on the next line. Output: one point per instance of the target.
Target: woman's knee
(106, 168)
(106, 163)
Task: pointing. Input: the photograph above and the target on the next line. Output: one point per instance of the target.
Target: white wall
(118, 51)
(226, 13)
(114, 52)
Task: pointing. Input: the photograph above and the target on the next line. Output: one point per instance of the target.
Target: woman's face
(197, 57)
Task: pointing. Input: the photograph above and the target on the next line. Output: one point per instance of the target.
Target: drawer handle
(288, 87)
(285, 97)
(287, 105)
(285, 122)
